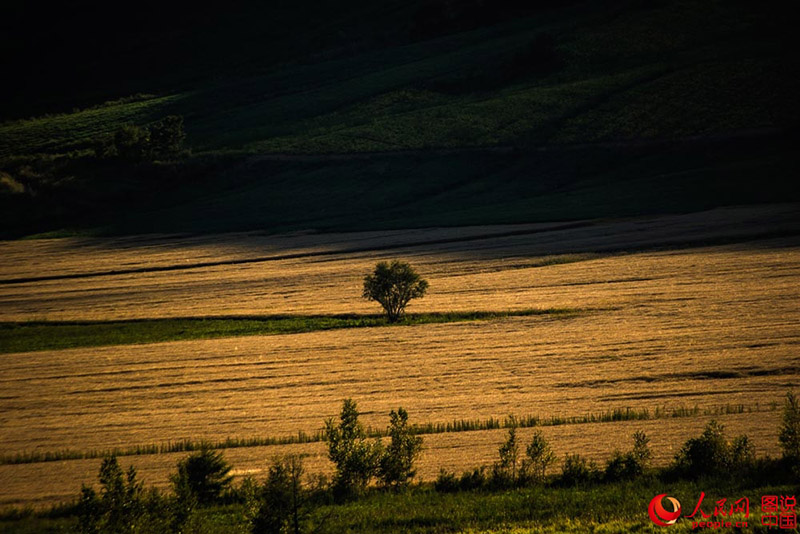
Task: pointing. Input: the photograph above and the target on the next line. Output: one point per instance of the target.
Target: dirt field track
(676, 311)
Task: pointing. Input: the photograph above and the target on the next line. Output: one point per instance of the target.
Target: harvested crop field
(669, 314)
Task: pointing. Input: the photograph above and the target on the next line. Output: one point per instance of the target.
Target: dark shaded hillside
(547, 110)
(435, 188)
(83, 53)
(79, 54)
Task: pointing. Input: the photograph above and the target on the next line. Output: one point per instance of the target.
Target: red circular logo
(659, 515)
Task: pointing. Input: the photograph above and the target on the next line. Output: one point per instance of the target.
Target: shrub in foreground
(538, 457)
(577, 470)
(711, 454)
(166, 137)
(202, 476)
(446, 482)
(789, 435)
(396, 466)
(282, 502)
(354, 456)
(130, 143)
(510, 471)
(122, 506)
(504, 472)
(632, 464)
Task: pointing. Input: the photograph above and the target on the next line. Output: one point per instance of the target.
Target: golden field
(670, 316)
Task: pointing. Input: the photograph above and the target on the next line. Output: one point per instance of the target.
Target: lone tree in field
(393, 285)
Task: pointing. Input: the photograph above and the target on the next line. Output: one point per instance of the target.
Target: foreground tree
(120, 507)
(393, 285)
(356, 457)
(397, 463)
(504, 472)
(282, 503)
(538, 457)
(202, 476)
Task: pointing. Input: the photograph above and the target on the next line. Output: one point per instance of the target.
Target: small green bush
(632, 464)
(789, 435)
(622, 467)
(578, 470)
(743, 453)
(184, 504)
(131, 143)
(472, 480)
(710, 454)
(282, 501)
(203, 475)
(504, 472)
(641, 449)
(167, 137)
(446, 482)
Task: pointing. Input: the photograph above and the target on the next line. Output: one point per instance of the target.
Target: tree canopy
(393, 285)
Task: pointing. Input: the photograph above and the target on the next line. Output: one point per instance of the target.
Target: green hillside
(544, 110)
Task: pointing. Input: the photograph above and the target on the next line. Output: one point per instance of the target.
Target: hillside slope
(545, 110)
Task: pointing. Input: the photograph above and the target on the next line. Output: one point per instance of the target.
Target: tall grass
(458, 425)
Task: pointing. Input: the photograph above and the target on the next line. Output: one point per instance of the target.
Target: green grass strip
(55, 335)
(458, 425)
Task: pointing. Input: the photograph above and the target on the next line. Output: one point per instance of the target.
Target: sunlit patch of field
(279, 385)
(706, 326)
(485, 272)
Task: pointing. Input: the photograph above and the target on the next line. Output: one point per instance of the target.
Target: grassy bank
(606, 508)
(56, 335)
(617, 507)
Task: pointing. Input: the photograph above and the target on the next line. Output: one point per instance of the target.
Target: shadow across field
(297, 255)
(744, 372)
(55, 335)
